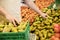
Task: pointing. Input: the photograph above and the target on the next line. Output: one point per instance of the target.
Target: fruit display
(29, 14)
(44, 27)
(56, 35)
(43, 3)
(9, 27)
(56, 28)
(22, 26)
(54, 38)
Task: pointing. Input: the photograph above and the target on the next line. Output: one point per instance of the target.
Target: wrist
(3, 11)
(39, 12)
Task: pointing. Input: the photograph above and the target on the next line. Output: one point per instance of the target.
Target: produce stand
(37, 27)
(42, 27)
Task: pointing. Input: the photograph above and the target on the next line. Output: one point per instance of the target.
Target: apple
(56, 28)
(57, 35)
(54, 38)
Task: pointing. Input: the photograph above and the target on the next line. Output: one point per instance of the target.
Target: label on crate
(32, 36)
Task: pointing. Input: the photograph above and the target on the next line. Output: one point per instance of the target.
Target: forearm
(3, 11)
(33, 6)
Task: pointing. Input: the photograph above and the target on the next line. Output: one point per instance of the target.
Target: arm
(2, 10)
(8, 16)
(34, 7)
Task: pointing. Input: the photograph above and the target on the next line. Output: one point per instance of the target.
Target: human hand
(9, 17)
(43, 15)
(12, 19)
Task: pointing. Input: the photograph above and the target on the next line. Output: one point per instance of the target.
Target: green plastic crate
(16, 36)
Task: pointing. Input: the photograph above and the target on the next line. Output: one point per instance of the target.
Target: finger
(14, 23)
(16, 20)
(45, 16)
